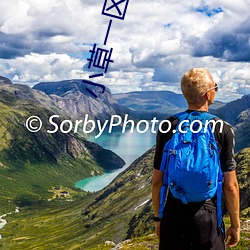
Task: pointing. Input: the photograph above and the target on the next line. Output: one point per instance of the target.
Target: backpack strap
(219, 200)
(182, 115)
(164, 188)
(208, 116)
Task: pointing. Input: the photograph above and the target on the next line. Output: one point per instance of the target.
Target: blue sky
(156, 43)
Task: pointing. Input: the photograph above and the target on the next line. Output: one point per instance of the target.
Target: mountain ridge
(72, 97)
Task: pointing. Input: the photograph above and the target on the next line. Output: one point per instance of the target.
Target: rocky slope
(242, 130)
(237, 114)
(72, 97)
(232, 110)
(31, 163)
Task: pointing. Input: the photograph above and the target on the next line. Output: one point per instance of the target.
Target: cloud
(156, 43)
(34, 68)
(231, 45)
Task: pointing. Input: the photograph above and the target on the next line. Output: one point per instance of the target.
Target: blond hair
(195, 83)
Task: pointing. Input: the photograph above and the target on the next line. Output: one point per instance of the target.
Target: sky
(155, 44)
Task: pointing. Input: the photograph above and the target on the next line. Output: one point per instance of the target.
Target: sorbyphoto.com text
(88, 126)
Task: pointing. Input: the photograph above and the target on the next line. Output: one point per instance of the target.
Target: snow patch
(142, 204)
(143, 186)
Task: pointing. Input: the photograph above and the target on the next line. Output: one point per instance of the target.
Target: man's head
(197, 86)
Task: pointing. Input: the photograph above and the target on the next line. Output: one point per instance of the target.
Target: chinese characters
(101, 58)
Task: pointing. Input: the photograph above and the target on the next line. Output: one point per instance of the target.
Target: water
(129, 146)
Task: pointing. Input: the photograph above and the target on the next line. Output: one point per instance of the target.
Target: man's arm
(232, 200)
(156, 187)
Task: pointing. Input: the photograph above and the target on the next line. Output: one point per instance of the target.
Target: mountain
(122, 210)
(32, 163)
(216, 105)
(72, 97)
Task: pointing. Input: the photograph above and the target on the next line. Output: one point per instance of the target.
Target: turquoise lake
(129, 146)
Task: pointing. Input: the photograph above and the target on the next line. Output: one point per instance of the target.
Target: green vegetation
(49, 225)
(32, 163)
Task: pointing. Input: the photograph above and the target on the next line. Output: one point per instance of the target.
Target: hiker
(188, 222)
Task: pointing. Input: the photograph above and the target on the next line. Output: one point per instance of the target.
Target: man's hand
(157, 228)
(232, 236)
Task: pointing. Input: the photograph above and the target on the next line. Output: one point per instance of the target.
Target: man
(194, 225)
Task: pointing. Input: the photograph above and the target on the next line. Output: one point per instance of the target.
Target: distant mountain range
(149, 104)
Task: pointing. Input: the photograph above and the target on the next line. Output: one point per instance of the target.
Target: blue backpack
(191, 162)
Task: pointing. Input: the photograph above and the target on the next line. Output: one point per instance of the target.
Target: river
(129, 146)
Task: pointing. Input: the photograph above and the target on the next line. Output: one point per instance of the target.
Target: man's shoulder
(227, 127)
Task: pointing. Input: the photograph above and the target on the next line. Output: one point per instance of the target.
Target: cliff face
(71, 96)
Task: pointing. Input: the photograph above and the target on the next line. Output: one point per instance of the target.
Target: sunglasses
(216, 87)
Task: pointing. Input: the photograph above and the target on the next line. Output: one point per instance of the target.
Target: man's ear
(207, 95)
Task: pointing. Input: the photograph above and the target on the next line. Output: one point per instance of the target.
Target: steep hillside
(242, 130)
(232, 110)
(72, 97)
(32, 163)
(123, 210)
(237, 114)
(243, 174)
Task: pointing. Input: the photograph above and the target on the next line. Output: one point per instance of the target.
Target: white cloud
(35, 68)
(152, 48)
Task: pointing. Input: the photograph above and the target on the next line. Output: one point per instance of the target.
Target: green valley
(32, 163)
